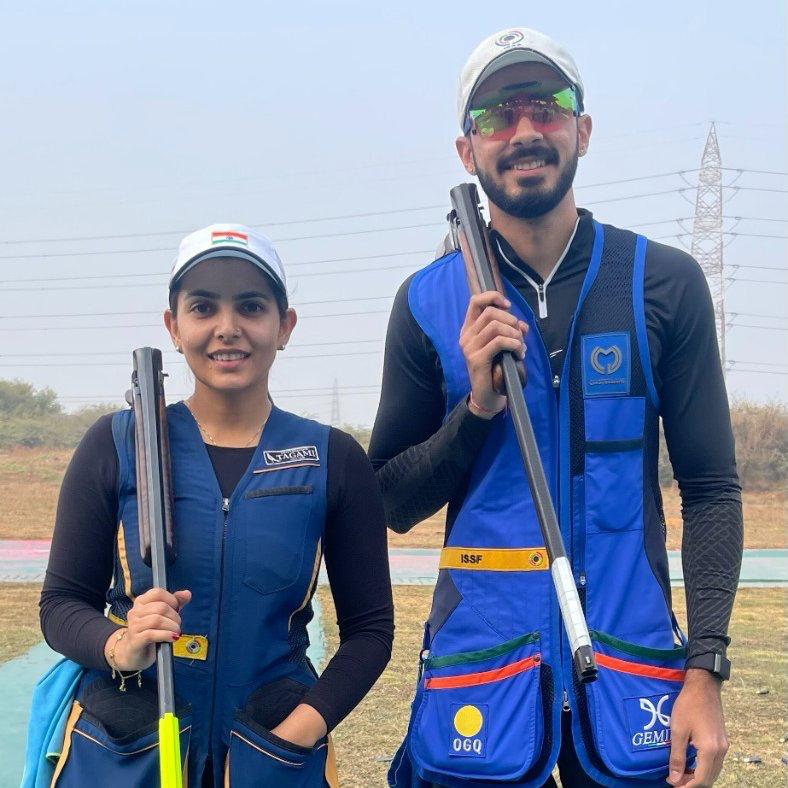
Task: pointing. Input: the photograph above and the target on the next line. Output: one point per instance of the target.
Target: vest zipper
(226, 511)
(542, 301)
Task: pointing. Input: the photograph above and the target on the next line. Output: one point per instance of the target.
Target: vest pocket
(630, 705)
(274, 533)
(480, 715)
(257, 757)
(613, 478)
(91, 756)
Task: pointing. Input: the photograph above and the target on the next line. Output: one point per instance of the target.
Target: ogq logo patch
(469, 730)
(649, 720)
(607, 364)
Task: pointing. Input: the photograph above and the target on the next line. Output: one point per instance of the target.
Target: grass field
(369, 736)
(19, 628)
(367, 739)
(30, 480)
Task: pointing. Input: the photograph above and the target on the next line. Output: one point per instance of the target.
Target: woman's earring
(281, 347)
(178, 349)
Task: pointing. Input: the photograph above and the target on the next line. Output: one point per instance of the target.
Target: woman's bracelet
(115, 669)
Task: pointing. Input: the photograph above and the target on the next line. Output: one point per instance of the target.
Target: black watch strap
(715, 663)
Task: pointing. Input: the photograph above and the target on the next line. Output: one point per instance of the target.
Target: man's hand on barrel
(488, 330)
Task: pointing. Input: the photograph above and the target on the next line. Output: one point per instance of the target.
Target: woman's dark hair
(281, 300)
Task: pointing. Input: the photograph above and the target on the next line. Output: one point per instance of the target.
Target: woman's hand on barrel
(154, 618)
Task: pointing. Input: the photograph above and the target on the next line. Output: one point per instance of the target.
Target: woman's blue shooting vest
(496, 670)
(251, 562)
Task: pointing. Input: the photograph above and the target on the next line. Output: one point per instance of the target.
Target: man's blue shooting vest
(251, 562)
(496, 670)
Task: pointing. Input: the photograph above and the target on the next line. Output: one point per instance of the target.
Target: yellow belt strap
(495, 559)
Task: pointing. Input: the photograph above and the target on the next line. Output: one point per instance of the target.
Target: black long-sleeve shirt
(423, 463)
(81, 560)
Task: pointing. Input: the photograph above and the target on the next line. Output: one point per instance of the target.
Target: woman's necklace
(210, 439)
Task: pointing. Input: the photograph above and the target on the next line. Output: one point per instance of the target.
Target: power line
(175, 353)
(760, 363)
(48, 255)
(759, 267)
(159, 233)
(632, 180)
(150, 250)
(306, 220)
(754, 172)
(321, 389)
(722, 232)
(752, 325)
(757, 371)
(27, 329)
(638, 196)
(758, 281)
(114, 285)
(124, 364)
(755, 189)
(754, 235)
(758, 314)
(753, 219)
(166, 273)
(159, 311)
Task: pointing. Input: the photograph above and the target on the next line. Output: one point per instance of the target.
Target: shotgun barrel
(154, 505)
(483, 275)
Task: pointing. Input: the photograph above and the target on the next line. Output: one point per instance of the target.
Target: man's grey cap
(513, 45)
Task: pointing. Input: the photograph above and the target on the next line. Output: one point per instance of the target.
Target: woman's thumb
(183, 597)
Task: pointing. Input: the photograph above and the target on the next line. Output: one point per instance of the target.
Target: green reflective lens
(498, 116)
(566, 99)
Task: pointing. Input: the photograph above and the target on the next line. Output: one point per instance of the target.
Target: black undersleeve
(81, 559)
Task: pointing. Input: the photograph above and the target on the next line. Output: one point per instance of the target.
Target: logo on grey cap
(510, 39)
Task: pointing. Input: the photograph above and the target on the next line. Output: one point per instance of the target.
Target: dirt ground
(30, 480)
(367, 739)
(29, 484)
(18, 619)
(765, 522)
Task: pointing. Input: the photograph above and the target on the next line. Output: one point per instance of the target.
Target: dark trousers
(572, 774)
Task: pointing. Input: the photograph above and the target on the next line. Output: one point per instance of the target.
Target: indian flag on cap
(229, 237)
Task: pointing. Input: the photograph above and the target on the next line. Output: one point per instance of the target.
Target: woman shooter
(259, 495)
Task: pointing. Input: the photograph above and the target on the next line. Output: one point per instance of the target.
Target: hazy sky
(147, 120)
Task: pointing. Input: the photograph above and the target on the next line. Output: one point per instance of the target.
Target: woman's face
(227, 324)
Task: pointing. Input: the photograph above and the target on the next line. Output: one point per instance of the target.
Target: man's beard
(534, 201)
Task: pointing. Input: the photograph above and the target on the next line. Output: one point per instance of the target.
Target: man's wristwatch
(716, 664)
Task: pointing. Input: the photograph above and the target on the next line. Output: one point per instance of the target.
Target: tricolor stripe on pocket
(638, 669)
(483, 677)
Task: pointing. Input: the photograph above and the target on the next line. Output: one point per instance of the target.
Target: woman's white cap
(513, 45)
(229, 240)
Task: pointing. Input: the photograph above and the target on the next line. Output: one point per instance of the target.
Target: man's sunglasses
(498, 121)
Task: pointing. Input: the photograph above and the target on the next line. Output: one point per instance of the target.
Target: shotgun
(157, 546)
(470, 232)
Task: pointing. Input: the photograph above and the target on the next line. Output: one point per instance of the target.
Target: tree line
(34, 418)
